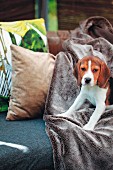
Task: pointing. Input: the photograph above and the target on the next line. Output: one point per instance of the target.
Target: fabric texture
(30, 34)
(31, 76)
(73, 147)
(30, 133)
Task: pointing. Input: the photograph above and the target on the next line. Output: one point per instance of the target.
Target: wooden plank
(71, 12)
(17, 10)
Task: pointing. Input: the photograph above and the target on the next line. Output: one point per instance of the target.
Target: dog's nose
(87, 80)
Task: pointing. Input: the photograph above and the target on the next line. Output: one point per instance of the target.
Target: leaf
(12, 38)
(33, 41)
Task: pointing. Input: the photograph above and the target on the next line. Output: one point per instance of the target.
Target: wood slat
(17, 10)
(71, 12)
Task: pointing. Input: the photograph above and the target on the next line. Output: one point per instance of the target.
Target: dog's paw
(88, 127)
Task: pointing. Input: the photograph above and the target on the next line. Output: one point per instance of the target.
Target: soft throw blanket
(73, 147)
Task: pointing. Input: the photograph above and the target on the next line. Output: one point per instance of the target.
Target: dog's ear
(103, 76)
(76, 73)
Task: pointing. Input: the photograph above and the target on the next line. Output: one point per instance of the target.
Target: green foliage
(4, 102)
(12, 38)
(52, 7)
(52, 15)
(33, 41)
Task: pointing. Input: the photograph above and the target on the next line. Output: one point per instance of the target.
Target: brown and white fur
(93, 76)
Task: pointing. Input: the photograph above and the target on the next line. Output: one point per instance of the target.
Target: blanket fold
(73, 147)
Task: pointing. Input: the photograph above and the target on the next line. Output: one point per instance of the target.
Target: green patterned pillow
(30, 34)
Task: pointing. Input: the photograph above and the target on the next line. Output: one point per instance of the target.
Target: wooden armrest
(55, 40)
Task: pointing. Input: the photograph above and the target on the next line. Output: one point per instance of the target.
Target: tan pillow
(31, 76)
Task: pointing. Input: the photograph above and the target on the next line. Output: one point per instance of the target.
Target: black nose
(87, 80)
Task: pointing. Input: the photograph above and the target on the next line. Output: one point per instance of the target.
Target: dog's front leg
(75, 106)
(100, 108)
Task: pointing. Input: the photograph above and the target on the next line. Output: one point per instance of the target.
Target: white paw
(88, 127)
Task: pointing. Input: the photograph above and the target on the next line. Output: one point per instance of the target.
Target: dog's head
(92, 71)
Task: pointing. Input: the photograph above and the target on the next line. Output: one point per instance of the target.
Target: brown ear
(104, 75)
(76, 73)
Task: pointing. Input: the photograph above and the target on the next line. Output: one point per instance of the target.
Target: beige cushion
(31, 76)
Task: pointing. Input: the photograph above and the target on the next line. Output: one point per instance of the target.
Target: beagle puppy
(92, 75)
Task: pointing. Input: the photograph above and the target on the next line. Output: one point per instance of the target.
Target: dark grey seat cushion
(30, 133)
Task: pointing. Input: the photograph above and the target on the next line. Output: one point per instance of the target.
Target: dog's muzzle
(87, 80)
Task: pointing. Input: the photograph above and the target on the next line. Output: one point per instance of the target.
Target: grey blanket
(73, 147)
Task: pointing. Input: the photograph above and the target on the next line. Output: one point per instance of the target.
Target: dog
(92, 76)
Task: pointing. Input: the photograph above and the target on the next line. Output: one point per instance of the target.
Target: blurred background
(14, 10)
(58, 14)
(52, 17)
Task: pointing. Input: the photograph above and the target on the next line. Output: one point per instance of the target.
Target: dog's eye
(83, 69)
(95, 70)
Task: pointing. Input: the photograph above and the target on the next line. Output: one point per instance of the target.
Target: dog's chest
(94, 94)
